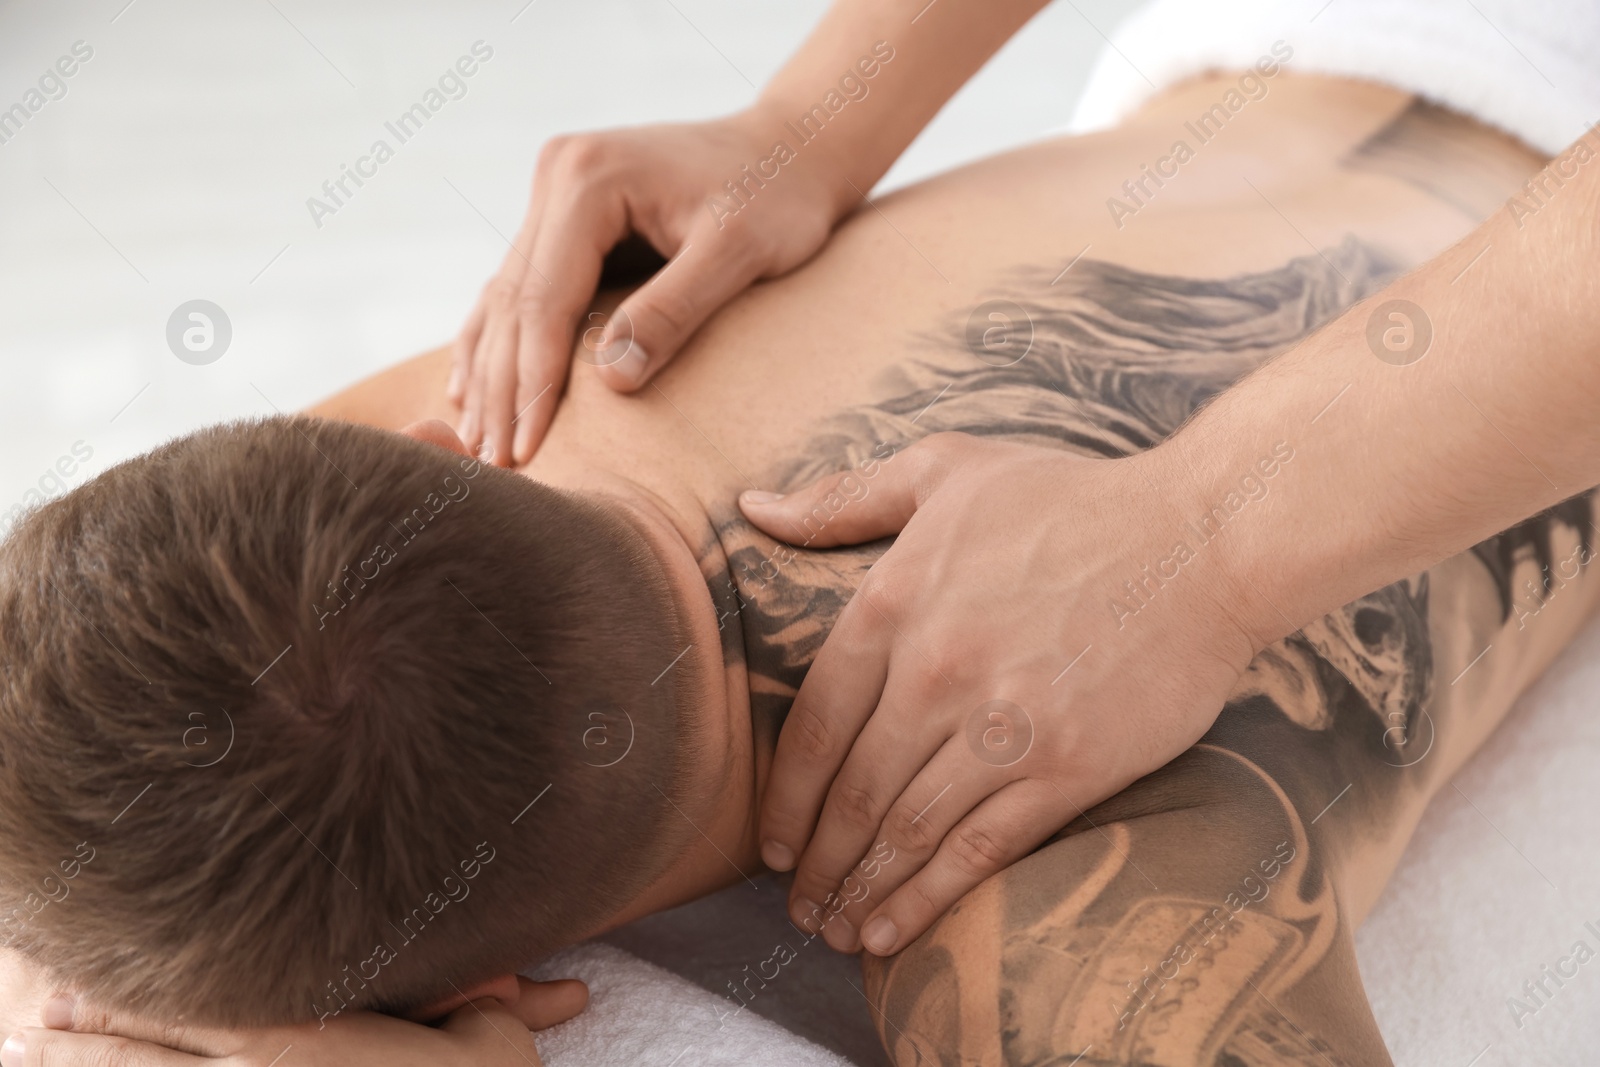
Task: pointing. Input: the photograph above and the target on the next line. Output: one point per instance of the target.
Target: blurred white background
(177, 167)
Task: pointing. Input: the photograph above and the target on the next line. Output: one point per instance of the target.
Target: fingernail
(14, 1050)
(778, 856)
(808, 917)
(57, 1013)
(760, 496)
(631, 366)
(840, 935)
(880, 935)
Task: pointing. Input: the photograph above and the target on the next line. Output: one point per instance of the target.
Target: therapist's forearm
(935, 48)
(1398, 465)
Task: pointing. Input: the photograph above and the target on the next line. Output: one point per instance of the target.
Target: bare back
(1015, 298)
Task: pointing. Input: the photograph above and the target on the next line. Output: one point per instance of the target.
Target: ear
(502, 987)
(437, 432)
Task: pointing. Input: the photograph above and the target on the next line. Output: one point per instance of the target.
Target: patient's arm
(483, 1033)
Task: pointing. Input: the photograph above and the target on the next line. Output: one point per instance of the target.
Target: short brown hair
(391, 651)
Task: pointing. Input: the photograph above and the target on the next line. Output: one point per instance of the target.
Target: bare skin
(1058, 952)
(1205, 914)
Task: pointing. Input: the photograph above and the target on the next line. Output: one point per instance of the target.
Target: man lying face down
(301, 717)
(297, 727)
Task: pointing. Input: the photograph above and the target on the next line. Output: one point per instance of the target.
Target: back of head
(274, 700)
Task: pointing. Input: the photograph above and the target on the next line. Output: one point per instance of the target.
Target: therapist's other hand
(669, 185)
(980, 691)
(492, 1031)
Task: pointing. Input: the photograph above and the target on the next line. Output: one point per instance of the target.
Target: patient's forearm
(1407, 450)
(935, 48)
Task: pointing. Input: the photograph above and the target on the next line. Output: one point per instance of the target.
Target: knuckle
(554, 146)
(554, 150)
(883, 590)
(582, 152)
(573, 157)
(821, 891)
(532, 305)
(974, 851)
(173, 1036)
(947, 666)
(912, 832)
(745, 244)
(121, 1052)
(89, 1018)
(500, 294)
(813, 737)
(855, 803)
(856, 893)
(913, 899)
(674, 310)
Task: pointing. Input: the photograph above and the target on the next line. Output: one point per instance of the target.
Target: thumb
(652, 324)
(873, 499)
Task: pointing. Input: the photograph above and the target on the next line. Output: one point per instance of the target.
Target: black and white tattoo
(1121, 942)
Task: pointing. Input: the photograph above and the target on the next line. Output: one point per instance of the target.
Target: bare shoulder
(396, 397)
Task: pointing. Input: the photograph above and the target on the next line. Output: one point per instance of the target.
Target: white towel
(1500, 881)
(639, 1014)
(1528, 67)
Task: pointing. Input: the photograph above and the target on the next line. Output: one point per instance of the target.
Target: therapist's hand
(980, 691)
(668, 184)
(483, 1033)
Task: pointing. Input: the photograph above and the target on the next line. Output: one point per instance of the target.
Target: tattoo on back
(1193, 919)
(1437, 151)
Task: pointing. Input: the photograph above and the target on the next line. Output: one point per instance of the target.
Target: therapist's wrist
(1226, 525)
(832, 177)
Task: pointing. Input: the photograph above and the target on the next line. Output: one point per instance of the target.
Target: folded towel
(641, 1014)
(1525, 66)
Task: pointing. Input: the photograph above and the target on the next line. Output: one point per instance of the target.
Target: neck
(729, 754)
